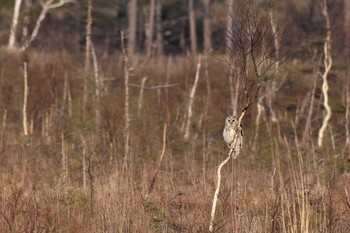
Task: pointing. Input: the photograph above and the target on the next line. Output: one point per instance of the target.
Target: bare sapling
(63, 181)
(327, 62)
(272, 91)
(97, 85)
(347, 120)
(126, 103)
(25, 98)
(192, 21)
(191, 99)
(150, 28)
(248, 49)
(139, 106)
(88, 46)
(84, 163)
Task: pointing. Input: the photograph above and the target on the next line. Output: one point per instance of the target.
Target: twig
(153, 87)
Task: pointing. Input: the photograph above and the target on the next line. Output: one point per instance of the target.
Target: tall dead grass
(284, 185)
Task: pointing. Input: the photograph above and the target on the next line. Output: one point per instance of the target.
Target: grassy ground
(282, 184)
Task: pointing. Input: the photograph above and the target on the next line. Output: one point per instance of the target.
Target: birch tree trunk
(126, 103)
(25, 98)
(159, 43)
(190, 103)
(327, 65)
(132, 14)
(207, 27)
(192, 19)
(12, 38)
(229, 26)
(46, 6)
(272, 90)
(87, 57)
(347, 27)
(150, 28)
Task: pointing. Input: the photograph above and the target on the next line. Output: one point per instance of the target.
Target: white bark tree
(16, 10)
(192, 19)
(150, 31)
(132, 15)
(327, 66)
(46, 6)
(207, 27)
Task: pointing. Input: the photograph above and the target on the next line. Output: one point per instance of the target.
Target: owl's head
(231, 121)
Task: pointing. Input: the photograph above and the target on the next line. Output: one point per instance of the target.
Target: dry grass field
(70, 173)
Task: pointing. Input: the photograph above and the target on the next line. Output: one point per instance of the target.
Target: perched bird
(230, 131)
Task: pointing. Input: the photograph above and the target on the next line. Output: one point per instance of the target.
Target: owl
(230, 130)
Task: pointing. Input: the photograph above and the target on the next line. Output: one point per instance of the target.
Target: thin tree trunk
(139, 106)
(65, 172)
(97, 86)
(207, 27)
(218, 183)
(207, 79)
(150, 28)
(261, 109)
(272, 91)
(190, 104)
(84, 164)
(126, 103)
(159, 43)
(229, 27)
(327, 65)
(48, 5)
(25, 98)
(132, 14)
(192, 19)
(309, 117)
(234, 87)
(347, 27)
(347, 118)
(16, 10)
(87, 58)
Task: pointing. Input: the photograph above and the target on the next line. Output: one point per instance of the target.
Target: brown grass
(285, 185)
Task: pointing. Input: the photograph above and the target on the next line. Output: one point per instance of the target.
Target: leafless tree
(126, 102)
(16, 10)
(132, 15)
(327, 66)
(46, 6)
(150, 28)
(207, 27)
(253, 46)
(192, 19)
(87, 55)
(347, 26)
(159, 40)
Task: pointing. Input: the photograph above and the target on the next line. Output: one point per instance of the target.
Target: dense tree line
(166, 26)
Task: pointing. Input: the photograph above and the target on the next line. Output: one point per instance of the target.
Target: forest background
(113, 111)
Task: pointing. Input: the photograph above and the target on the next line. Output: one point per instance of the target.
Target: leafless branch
(46, 6)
